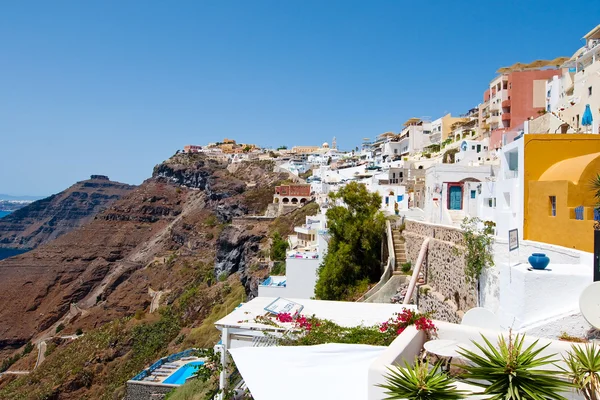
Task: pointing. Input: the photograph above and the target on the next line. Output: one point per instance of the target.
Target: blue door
(455, 198)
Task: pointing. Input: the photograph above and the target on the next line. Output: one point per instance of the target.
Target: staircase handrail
(389, 267)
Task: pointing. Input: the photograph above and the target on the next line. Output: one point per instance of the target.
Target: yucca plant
(595, 186)
(419, 382)
(583, 368)
(510, 372)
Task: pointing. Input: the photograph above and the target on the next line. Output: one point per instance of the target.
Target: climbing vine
(478, 250)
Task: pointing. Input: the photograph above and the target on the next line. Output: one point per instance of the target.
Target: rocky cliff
(47, 219)
(172, 243)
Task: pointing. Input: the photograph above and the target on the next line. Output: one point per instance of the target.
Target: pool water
(183, 373)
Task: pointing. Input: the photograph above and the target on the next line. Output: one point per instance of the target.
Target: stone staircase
(456, 216)
(399, 251)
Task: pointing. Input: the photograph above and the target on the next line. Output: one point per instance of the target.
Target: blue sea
(5, 253)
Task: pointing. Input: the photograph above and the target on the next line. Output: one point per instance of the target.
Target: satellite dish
(480, 317)
(589, 304)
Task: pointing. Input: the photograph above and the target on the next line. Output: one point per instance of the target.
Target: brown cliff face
(45, 220)
(150, 239)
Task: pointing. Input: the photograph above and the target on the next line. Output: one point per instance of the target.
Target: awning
(322, 372)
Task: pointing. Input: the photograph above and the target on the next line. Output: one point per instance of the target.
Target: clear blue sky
(115, 87)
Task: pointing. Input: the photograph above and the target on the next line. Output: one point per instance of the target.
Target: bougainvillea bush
(308, 331)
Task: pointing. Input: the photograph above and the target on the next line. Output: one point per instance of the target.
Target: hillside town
(515, 168)
(442, 255)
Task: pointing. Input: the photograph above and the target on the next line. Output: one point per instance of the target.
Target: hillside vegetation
(172, 235)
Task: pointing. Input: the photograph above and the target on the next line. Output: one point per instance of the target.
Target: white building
(502, 196)
(473, 152)
(307, 248)
(453, 192)
(415, 135)
(578, 86)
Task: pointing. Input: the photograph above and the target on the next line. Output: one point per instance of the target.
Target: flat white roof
(344, 313)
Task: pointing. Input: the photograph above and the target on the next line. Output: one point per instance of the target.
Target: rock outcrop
(159, 236)
(45, 220)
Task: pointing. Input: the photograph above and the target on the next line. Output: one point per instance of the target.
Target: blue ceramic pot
(539, 261)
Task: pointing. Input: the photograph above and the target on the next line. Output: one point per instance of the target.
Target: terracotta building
(512, 98)
(292, 194)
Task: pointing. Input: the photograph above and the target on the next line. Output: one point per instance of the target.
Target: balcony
(494, 119)
(506, 103)
(506, 117)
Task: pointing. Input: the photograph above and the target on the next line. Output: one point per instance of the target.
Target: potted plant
(419, 382)
(396, 208)
(583, 369)
(511, 372)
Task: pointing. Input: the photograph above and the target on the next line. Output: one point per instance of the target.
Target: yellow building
(304, 149)
(558, 198)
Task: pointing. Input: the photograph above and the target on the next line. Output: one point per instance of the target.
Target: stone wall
(143, 391)
(449, 293)
(445, 310)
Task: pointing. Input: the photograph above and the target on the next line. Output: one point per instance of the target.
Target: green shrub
(139, 314)
(223, 276)
(211, 221)
(406, 267)
(419, 382)
(278, 268)
(583, 369)
(478, 251)
(79, 332)
(28, 348)
(510, 371)
(279, 247)
(8, 362)
(356, 231)
(210, 236)
(50, 347)
(59, 328)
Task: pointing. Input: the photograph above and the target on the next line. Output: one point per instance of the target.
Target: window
(473, 147)
(590, 91)
(473, 193)
(553, 206)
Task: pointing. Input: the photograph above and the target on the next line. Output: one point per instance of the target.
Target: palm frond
(419, 382)
(583, 368)
(511, 371)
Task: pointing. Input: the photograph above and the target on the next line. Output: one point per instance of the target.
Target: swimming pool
(179, 377)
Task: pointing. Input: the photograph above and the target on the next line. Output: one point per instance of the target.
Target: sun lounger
(187, 358)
